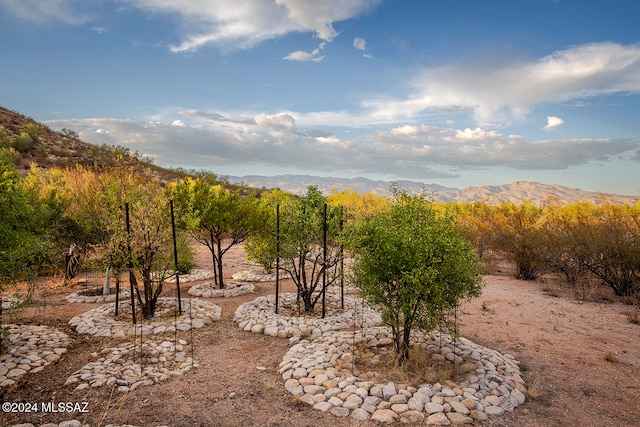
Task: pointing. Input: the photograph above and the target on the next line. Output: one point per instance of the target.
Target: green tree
(260, 246)
(32, 221)
(302, 254)
(413, 265)
(302, 245)
(98, 201)
(14, 218)
(215, 217)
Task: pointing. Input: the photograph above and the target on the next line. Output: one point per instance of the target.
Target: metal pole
(175, 255)
(277, 254)
(324, 259)
(117, 294)
(341, 261)
(131, 275)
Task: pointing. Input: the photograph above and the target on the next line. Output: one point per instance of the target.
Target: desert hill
(514, 192)
(49, 149)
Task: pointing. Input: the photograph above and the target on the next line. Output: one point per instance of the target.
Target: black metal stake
(131, 274)
(324, 259)
(277, 255)
(175, 255)
(341, 262)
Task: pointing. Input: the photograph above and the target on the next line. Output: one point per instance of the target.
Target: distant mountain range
(55, 149)
(494, 194)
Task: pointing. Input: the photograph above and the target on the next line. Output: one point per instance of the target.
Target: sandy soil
(582, 361)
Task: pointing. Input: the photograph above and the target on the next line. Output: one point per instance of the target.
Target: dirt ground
(582, 362)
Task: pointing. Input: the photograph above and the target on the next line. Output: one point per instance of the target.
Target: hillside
(49, 149)
(514, 192)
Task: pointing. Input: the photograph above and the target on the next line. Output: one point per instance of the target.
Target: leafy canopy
(413, 265)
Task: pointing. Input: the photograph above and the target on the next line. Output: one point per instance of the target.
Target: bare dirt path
(583, 360)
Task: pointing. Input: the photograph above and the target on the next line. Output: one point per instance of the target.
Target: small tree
(302, 245)
(413, 265)
(518, 234)
(98, 203)
(302, 254)
(261, 245)
(215, 217)
(145, 245)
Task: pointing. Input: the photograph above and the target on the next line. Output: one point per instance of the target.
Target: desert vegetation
(44, 211)
(412, 258)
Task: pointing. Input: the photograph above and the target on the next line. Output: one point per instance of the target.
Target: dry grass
(423, 366)
(552, 289)
(535, 387)
(633, 315)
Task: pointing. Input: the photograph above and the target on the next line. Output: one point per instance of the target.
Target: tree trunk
(219, 262)
(308, 301)
(214, 264)
(406, 334)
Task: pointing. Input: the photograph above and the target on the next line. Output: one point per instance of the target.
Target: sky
(457, 93)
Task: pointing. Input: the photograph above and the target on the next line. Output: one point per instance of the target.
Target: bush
(5, 139)
(22, 142)
(35, 130)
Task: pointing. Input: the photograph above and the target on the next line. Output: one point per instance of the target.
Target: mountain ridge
(56, 149)
(494, 194)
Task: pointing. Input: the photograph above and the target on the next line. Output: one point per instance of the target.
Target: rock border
(316, 369)
(194, 276)
(257, 276)
(259, 316)
(30, 349)
(210, 290)
(196, 313)
(130, 365)
(76, 297)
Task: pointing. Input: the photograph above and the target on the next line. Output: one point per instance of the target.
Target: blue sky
(456, 93)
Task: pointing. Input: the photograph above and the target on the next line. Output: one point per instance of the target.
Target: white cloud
(281, 121)
(210, 140)
(476, 134)
(302, 56)
(361, 44)
(553, 122)
(501, 91)
(319, 16)
(38, 11)
(232, 24)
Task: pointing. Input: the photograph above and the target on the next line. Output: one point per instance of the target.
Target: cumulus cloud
(38, 11)
(239, 25)
(501, 91)
(553, 122)
(303, 56)
(210, 140)
(361, 44)
(281, 121)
